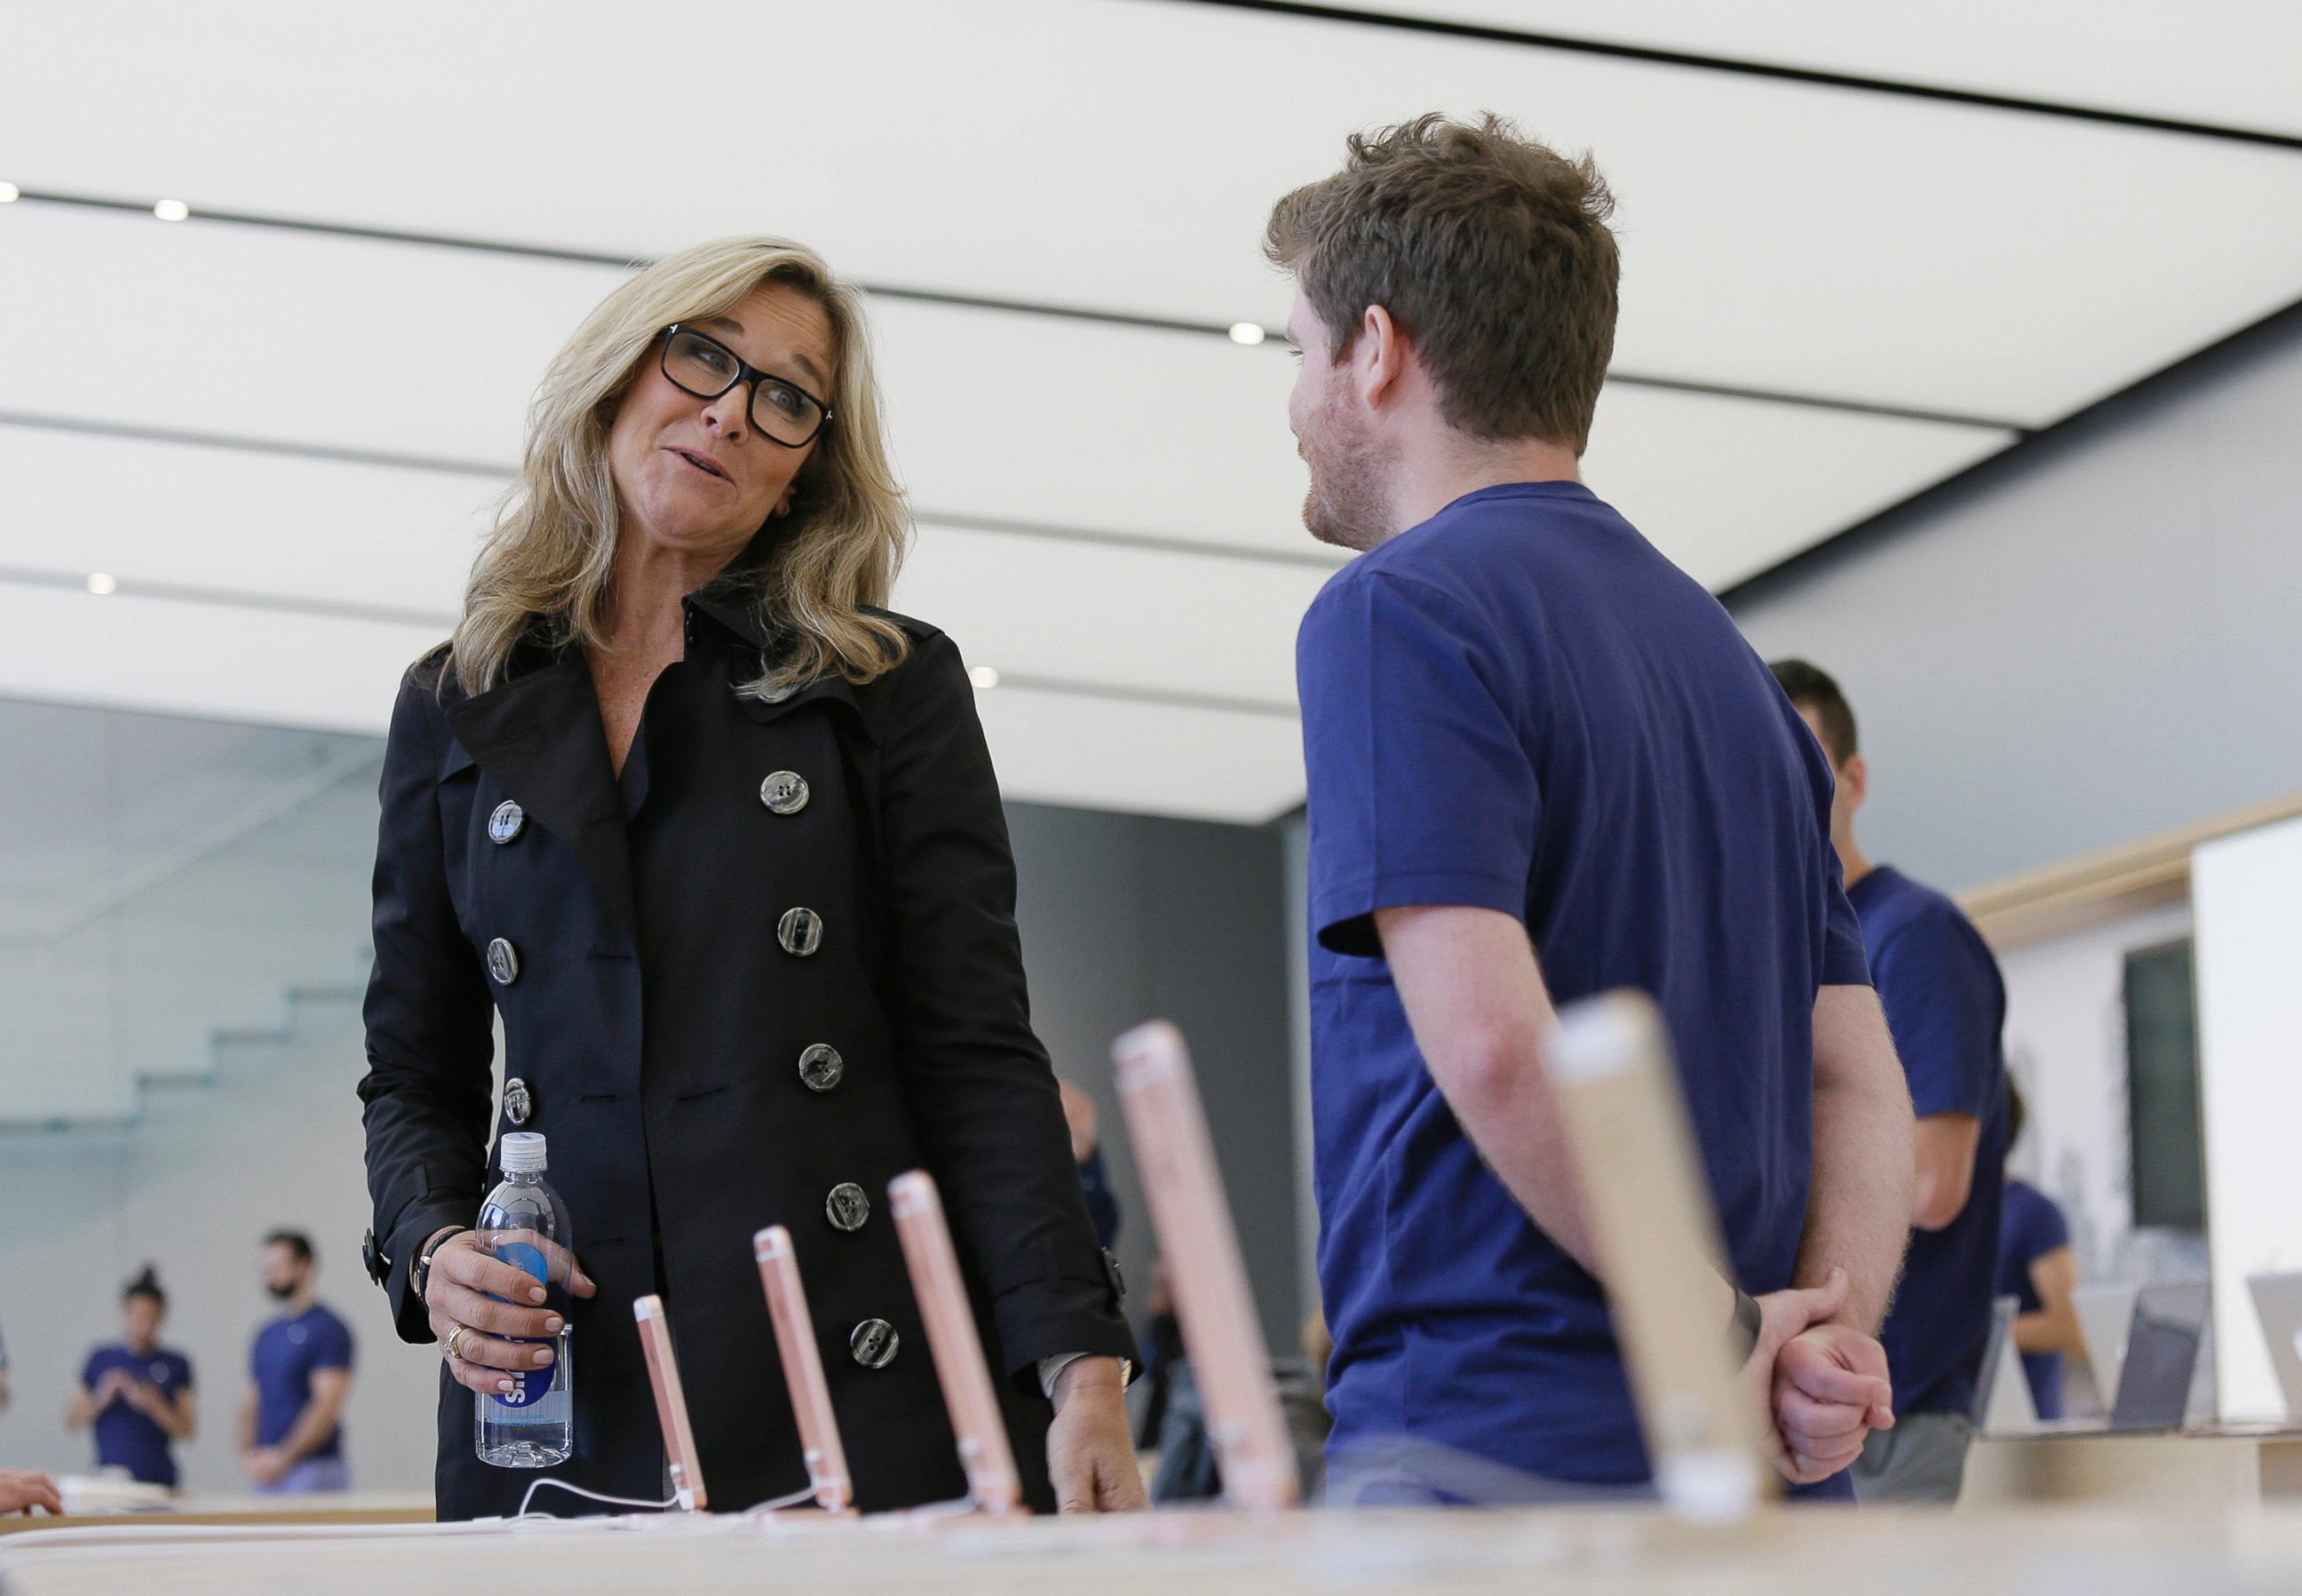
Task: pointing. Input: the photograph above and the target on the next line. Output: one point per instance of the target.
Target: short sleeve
(1843, 961)
(331, 1345)
(92, 1370)
(2045, 1230)
(1422, 787)
(1940, 996)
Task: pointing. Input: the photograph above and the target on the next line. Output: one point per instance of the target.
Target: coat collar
(539, 735)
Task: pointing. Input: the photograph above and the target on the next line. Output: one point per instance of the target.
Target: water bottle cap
(522, 1152)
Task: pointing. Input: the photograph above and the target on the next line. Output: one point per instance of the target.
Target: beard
(1349, 503)
(284, 1292)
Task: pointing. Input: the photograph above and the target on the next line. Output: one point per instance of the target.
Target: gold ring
(452, 1335)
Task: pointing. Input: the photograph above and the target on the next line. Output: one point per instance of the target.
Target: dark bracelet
(1743, 1337)
(419, 1273)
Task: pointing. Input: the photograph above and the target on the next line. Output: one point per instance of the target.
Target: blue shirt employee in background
(300, 1376)
(136, 1393)
(1947, 1007)
(1543, 764)
(2037, 1267)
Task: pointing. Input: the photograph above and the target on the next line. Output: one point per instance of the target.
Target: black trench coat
(658, 1024)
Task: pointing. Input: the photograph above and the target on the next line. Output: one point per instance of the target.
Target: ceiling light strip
(185, 592)
(1235, 332)
(1488, 33)
(1167, 698)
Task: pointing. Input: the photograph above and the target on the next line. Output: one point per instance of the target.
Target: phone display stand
(992, 1485)
(803, 1362)
(670, 1404)
(1221, 1332)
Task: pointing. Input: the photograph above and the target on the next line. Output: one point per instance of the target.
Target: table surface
(2036, 1551)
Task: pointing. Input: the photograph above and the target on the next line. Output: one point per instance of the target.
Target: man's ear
(1854, 781)
(1379, 355)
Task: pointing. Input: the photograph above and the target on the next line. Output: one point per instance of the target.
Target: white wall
(2247, 893)
(2093, 640)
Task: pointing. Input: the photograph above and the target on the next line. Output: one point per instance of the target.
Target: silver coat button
(800, 932)
(517, 1104)
(504, 824)
(784, 793)
(820, 1067)
(874, 1342)
(503, 962)
(847, 1207)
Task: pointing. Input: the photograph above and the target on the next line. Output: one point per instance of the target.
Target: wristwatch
(419, 1274)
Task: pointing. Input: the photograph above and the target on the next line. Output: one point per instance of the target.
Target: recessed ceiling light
(172, 210)
(9, 191)
(983, 675)
(1247, 332)
(100, 582)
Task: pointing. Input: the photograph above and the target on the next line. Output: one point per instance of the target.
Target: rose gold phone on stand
(810, 1394)
(992, 1485)
(670, 1403)
(1221, 1332)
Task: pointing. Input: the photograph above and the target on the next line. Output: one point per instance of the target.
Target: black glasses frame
(745, 373)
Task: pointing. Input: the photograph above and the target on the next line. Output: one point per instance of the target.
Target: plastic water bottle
(523, 1224)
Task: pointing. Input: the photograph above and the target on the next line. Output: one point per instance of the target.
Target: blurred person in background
(718, 839)
(1102, 1203)
(299, 1377)
(1947, 1007)
(22, 1490)
(136, 1393)
(2036, 1266)
(4, 1398)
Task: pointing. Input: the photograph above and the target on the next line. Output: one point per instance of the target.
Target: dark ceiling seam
(1489, 33)
(1118, 318)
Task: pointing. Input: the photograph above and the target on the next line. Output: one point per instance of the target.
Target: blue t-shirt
(287, 1351)
(1520, 705)
(126, 1438)
(1945, 1006)
(2030, 1226)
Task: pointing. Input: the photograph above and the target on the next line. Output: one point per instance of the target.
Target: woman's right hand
(491, 1337)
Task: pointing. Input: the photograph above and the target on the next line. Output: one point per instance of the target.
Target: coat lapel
(539, 735)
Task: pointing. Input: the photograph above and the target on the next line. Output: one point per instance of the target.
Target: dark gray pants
(1921, 1459)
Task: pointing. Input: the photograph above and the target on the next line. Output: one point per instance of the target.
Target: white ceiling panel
(231, 521)
(1776, 235)
(2230, 62)
(269, 667)
(264, 667)
(1163, 622)
(429, 352)
(1151, 759)
(1724, 486)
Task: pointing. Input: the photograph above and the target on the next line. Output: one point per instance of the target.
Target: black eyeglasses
(782, 410)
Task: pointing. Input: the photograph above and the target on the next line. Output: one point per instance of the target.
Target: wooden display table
(329, 1507)
(1625, 1552)
(2222, 1466)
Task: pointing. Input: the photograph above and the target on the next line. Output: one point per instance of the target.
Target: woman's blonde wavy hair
(551, 555)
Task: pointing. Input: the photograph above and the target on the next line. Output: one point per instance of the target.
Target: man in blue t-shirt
(2037, 1267)
(300, 1375)
(1945, 1006)
(136, 1393)
(1543, 764)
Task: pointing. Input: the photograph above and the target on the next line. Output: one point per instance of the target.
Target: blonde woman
(718, 838)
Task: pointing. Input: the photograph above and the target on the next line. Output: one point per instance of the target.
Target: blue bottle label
(535, 1385)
